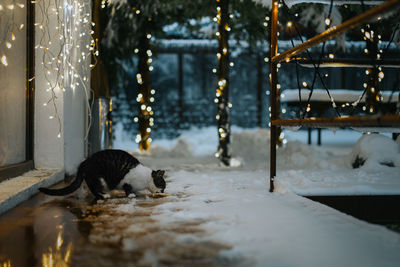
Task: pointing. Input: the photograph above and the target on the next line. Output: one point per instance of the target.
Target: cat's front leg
(128, 190)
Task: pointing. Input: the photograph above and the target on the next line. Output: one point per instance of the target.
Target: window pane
(12, 83)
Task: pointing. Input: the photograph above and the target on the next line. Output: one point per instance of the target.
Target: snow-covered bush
(372, 150)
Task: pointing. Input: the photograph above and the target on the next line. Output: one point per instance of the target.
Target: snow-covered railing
(291, 3)
(339, 95)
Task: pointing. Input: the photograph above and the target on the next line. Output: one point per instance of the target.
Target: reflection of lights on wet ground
(6, 263)
(57, 257)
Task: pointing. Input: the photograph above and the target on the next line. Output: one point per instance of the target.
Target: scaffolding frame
(286, 57)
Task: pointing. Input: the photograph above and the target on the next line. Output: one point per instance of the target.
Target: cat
(114, 169)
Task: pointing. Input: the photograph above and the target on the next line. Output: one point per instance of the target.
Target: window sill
(21, 188)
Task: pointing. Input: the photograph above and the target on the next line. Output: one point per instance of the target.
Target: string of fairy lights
(221, 96)
(11, 26)
(66, 48)
(146, 113)
(370, 88)
(63, 29)
(64, 43)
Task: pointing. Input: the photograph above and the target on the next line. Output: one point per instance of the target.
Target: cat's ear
(160, 173)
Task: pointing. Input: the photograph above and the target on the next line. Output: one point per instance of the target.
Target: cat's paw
(131, 195)
(106, 196)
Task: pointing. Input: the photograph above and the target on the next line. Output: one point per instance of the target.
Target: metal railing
(285, 57)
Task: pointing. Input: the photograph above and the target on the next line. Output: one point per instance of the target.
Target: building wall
(61, 84)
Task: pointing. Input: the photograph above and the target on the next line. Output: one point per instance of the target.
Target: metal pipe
(274, 91)
(337, 30)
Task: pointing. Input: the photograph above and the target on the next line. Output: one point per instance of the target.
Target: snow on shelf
(291, 3)
(339, 95)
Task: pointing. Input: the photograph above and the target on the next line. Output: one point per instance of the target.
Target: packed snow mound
(296, 155)
(251, 144)
(374, 150)
(180, 150)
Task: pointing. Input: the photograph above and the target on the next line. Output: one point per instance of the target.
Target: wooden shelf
(365, 121)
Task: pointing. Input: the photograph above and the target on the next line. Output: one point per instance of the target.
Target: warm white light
(327, 21)
(4, 60)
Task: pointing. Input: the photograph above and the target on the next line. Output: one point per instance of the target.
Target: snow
(234, 207)
(341, 95)
(290, 3)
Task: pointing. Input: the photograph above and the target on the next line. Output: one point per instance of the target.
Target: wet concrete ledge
(16, 190)
(381, 209)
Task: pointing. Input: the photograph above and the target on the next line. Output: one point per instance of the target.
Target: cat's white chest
(139, 178)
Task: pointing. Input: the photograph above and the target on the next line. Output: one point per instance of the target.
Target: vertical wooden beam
(274, 91)
(99, 78)
(223, 82)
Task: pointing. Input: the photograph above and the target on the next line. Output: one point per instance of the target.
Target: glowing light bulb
(289, 24)
(327, 21)
(381, 75)
(305, 84)
(4, 60)
(331, 56)
(8, 45)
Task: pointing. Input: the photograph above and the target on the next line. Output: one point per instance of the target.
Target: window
(16, 87)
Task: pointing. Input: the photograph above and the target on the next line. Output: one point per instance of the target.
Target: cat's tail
(66, 190)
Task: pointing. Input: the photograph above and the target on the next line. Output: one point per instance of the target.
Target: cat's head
(158, 179)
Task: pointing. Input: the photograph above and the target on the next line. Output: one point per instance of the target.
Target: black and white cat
(111, 169)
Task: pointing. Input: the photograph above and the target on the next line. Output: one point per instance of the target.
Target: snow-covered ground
(282, 228)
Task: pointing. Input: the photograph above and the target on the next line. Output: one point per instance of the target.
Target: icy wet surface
(69, 231)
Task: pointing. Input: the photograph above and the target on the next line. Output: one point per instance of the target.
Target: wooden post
(274, 92)
(222, 91)
(99, 78)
